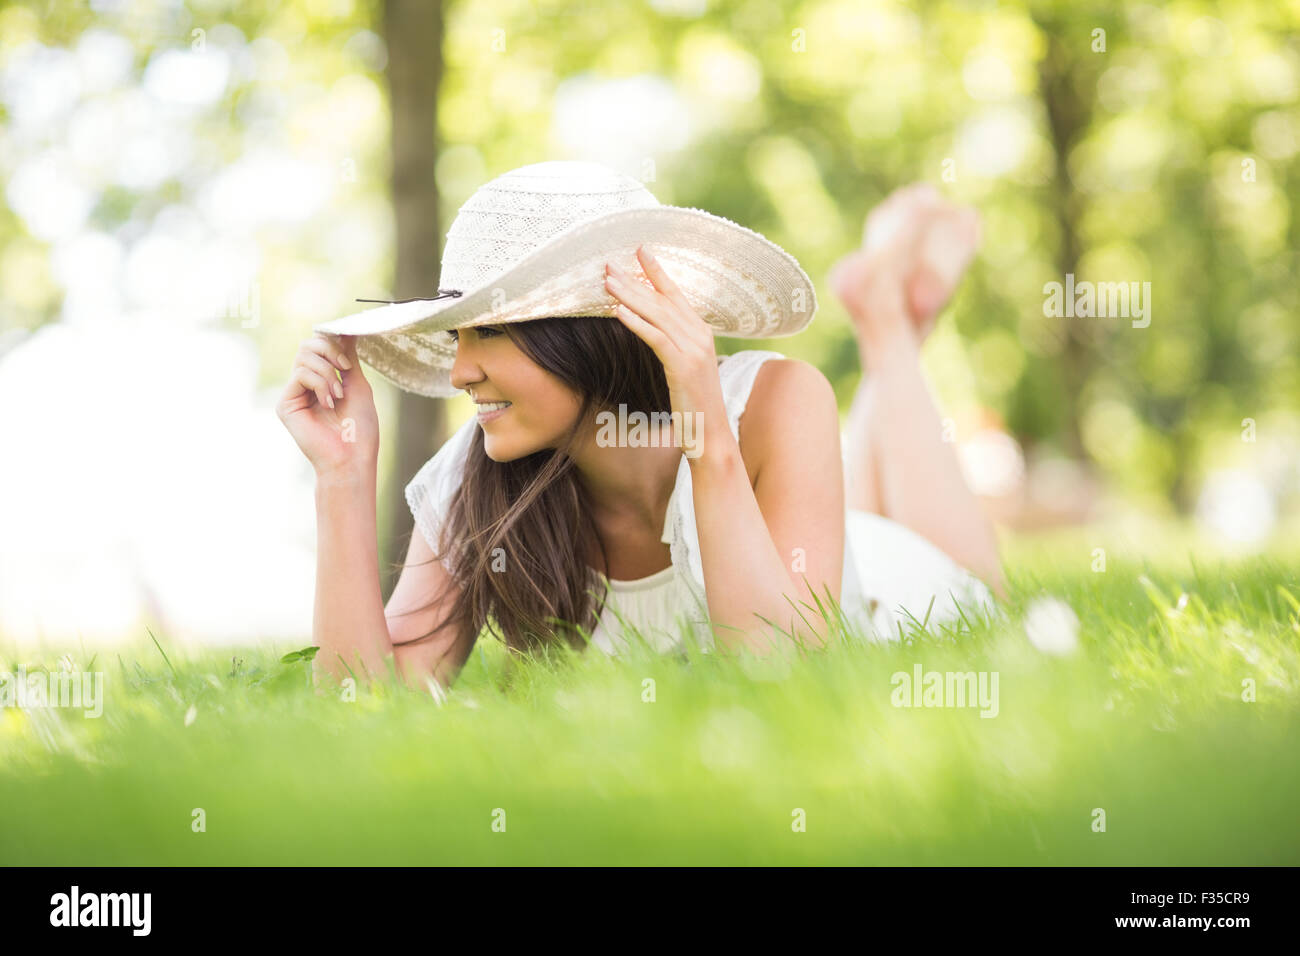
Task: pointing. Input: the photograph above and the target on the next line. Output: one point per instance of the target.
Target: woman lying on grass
(558, 515)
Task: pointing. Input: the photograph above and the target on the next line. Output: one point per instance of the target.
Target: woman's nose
(464, 370)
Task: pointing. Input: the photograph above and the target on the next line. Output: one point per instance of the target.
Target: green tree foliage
(1115, 142)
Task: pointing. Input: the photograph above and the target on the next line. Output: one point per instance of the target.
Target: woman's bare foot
(915, 248)
(947, 249)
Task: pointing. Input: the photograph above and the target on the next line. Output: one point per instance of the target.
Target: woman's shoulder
(733, 362)
(737, 373)
(784, 398)
(767, 379)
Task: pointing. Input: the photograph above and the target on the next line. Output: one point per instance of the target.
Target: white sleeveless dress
(891, 573)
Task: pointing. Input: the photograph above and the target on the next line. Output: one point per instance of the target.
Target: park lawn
(581, 759)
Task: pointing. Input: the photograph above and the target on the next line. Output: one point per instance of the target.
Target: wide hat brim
(738, 281)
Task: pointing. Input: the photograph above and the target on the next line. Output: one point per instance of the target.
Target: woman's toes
(840, 276)
(927, 294)
(950, 243)
(946, 251)
(888, 217)
(883, 224)
(924, 192)
(874, 301)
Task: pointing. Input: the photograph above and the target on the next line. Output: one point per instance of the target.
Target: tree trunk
(413, 33)
(1067, 118)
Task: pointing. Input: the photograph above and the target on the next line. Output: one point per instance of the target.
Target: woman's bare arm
(412, 612)
(753, 537)
(329, 409)
(348, 622)
(354, 631)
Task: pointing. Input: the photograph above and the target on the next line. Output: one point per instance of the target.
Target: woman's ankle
(878, 354)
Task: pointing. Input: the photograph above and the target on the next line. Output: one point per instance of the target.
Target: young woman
(530, 524)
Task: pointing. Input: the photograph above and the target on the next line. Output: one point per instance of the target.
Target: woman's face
(493, 369)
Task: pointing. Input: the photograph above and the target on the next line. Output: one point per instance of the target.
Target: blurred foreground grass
(1145, 721)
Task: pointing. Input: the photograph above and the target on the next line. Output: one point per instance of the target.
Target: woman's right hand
(334, 422)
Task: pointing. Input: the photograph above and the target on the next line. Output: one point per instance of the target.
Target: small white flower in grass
(65, 662)
(191, 714)
(1052, 626)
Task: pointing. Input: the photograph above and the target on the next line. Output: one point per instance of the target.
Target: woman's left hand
(663, 319)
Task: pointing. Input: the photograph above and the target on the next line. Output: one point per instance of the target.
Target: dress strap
(737, 373)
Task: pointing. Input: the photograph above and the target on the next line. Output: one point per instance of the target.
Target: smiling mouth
(490, 410)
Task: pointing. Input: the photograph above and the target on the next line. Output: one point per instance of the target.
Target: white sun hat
(533, 244)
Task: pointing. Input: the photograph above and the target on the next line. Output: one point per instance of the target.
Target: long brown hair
(531, 518)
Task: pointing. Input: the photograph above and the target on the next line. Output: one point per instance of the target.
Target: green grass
(1146, 721)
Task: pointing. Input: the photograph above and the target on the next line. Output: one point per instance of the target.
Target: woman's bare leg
(861, 483)
(898, 464)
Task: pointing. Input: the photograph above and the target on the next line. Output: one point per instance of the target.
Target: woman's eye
(484, 331)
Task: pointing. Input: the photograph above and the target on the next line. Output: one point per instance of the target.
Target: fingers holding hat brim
(663, 305)
(348, 346)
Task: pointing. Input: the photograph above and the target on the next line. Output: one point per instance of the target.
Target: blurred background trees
(236, 172)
